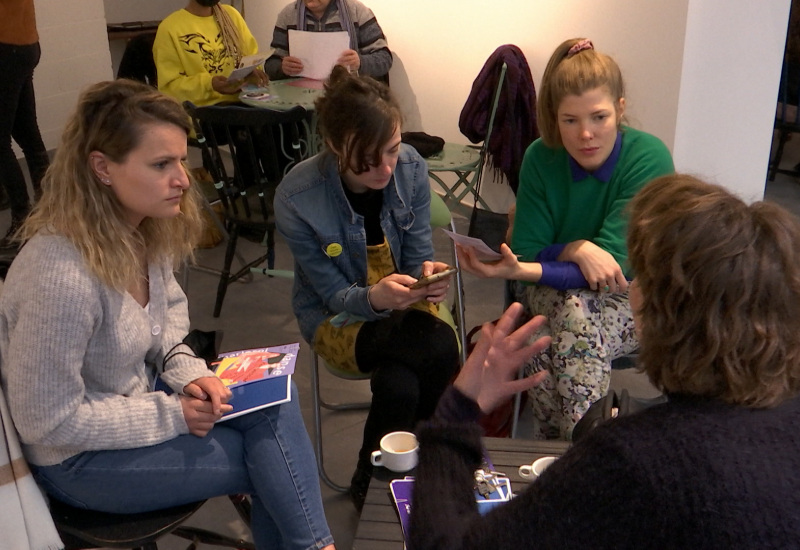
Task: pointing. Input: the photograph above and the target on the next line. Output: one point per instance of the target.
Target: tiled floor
(258, 313)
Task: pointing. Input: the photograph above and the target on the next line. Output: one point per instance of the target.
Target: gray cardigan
(73, 355)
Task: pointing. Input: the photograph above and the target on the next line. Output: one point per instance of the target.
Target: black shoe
(7, 242)
(359, 484)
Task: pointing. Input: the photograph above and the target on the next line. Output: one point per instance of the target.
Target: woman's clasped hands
(394, 291)
(204, 401)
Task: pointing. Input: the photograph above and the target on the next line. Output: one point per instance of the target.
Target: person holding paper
(90, 310)
(198, 47)
(357, 220)
(568, 238)
(368, 52)
(715, 301)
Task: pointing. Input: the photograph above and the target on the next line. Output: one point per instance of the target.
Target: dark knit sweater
(692, 473)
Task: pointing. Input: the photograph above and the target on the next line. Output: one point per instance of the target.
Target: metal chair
(246, 196)
(465, 161)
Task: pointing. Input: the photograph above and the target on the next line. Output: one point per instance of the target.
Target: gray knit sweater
(74, 355)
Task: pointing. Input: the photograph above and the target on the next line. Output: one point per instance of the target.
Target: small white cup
(532, 471)
(398, 452)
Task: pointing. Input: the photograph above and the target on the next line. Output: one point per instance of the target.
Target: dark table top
(379, 526)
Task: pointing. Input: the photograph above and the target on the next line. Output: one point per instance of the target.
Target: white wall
(441, 46)
(121, 11)
(701, 74)
(731, 70)
(74, 53)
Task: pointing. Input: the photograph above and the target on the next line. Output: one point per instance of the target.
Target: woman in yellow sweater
(196, 48)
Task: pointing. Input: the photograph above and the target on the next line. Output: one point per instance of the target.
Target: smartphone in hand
(432, 278)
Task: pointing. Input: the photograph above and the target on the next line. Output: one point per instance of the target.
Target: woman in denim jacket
(357, 219)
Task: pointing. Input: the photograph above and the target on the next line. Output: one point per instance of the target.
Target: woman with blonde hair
(715, 302)
(91, 311)
(569, 260)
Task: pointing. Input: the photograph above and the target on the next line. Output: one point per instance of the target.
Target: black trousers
(18, 121)
(412, 356)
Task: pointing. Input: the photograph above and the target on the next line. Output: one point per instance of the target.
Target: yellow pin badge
(333, 250)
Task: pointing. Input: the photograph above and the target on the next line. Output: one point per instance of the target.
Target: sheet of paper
(318, 51)
(482, 249)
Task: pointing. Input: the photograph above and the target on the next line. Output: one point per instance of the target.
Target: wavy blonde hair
(719, 282)
(109, 118)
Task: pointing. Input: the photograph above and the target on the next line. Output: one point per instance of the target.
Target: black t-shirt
(368, 204)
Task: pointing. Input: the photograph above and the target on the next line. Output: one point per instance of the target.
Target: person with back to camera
(91, 309)
(357, 220)
(197, 47)
(19, 55)
(715, 302)
(568, 237)
(368, 54)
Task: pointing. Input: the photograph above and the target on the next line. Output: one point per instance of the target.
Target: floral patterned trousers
(588, 330)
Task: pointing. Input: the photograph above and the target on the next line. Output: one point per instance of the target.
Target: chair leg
(316, 404)
(458, 301)
(517, 405)
(224, 278)
(783, 136)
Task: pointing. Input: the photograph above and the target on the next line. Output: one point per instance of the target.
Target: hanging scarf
(344, 16)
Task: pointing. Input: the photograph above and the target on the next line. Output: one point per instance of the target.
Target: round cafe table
(282, 95)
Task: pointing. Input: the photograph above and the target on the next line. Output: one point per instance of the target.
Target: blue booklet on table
(258, 378)
(403, 489)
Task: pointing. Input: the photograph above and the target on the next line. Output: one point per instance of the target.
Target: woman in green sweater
(568, 240)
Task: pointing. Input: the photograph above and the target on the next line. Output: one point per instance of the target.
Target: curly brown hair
(719, 288)
(357, 116)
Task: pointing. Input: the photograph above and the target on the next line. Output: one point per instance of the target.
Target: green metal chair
(465, 161)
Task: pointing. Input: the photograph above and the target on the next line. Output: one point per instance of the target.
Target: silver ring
(605, 288)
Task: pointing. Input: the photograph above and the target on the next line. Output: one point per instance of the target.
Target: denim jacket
(329, 243)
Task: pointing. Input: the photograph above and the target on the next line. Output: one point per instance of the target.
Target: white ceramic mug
(532, 471)
(398, 452)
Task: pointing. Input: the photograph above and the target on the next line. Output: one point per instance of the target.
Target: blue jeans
(266, 454)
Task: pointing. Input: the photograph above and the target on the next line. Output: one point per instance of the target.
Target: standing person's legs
(26, 132)
(588, 329)
(266, 454)
(16, 66)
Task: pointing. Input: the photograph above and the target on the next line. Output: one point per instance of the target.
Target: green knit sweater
(554, 209)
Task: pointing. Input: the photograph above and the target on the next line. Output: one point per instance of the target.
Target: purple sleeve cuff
(562, 275)
(557, 274)
(550, 253)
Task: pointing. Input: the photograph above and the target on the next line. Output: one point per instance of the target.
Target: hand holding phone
(433, 277)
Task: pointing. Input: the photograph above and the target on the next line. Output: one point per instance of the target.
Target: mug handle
(376, 458)
(526, 471)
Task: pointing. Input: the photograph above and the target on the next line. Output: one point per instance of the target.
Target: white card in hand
(247, 64)
(482, 250)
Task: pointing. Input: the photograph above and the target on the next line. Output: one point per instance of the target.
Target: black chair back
(243, 150)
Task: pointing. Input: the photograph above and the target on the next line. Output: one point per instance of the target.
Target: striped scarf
(344, 16)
